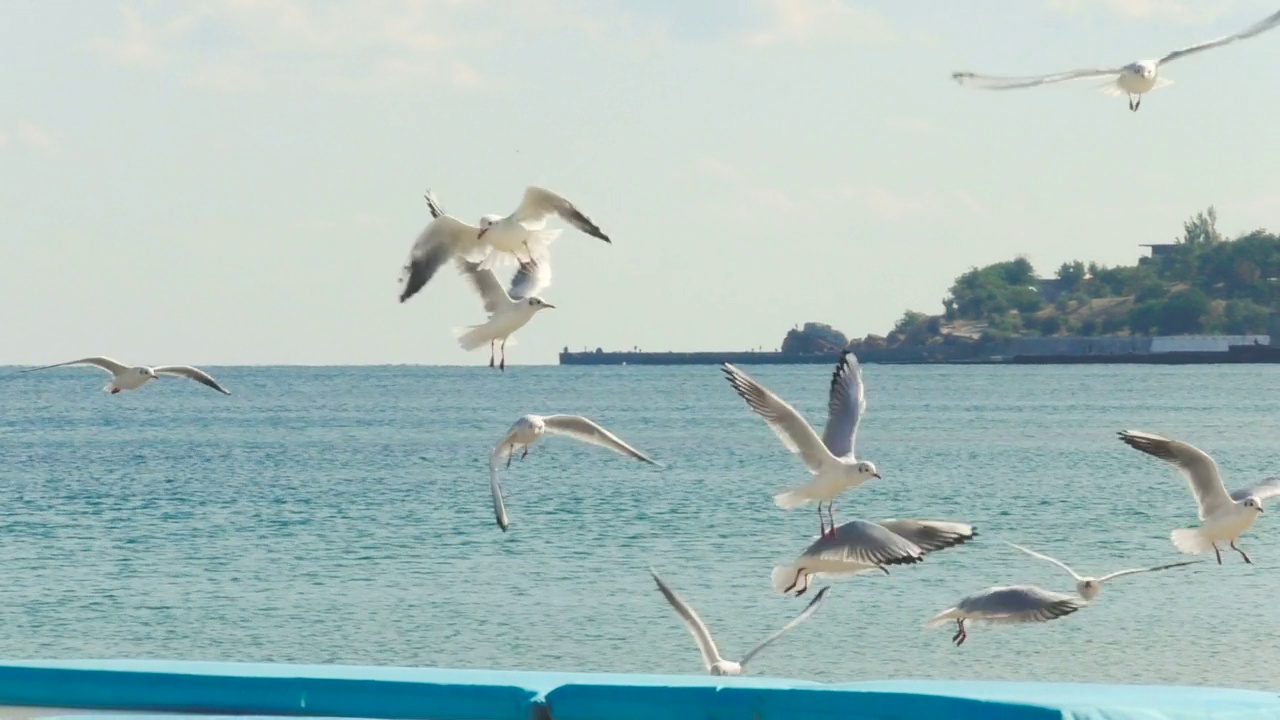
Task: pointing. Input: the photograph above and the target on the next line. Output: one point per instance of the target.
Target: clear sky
(240, 181)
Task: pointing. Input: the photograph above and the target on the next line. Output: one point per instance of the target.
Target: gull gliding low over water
(860, 546)
(1089, 587)
(1135, 79)
(1007, 604)
(711, 657)
(508, 310)
(1223, 517)
(829, 459)
(494, 239)
(528, 429)
(124, 377)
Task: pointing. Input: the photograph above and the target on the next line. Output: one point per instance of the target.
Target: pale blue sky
(239, 181)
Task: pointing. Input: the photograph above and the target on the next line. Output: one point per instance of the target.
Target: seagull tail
(788, 580)
(943, 617)
(790, 499)
(1190, 541)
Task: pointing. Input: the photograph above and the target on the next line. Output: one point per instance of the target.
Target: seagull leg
(491, 353)
(1217, 552)
(831, 517)
(526, 452)
(527, 251)
(511, 450)
(960, 635)
(1242, 553)
(503, 364)
(822, 523)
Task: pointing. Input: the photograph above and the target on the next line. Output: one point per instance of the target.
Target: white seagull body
(508, 310)
(860, 546)
(520, 235)
(124, 377)
(829, 458)
(1007, 604)
(711, 657)
(1223, 516)
(1088, 587)
(1134, 79)
(528, 429)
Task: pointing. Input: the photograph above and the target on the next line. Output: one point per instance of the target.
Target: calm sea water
(341, 515)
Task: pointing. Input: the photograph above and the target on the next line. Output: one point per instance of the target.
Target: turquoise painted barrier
(388, 693)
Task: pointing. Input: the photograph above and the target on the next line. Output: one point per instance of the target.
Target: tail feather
(472, 336)
(790, 499)
(943, 617)
(1190, 541)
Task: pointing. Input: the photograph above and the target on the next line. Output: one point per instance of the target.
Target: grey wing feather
(1196, 465)
(1019, 603)
(532, 278)
(581, 428)
(433, 205)
(995, 82)
(1266, 489)
(485, 283)
(809, 609)
(865, 543)
(196, 374)
(845, 405)
(538, 203)
(930, 535)
(98, 361)
(440, 240)
(1267, 23)
(697, 628)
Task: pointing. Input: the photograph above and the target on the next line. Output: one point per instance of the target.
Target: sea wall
(335, 691)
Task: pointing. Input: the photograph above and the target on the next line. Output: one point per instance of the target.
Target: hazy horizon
(238, 182)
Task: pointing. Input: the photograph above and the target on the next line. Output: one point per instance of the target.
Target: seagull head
(867, 470)
(147, 372)
(487, 222)
(538, 303)
(1145, 69)
(1252, 503)
(1088, 588)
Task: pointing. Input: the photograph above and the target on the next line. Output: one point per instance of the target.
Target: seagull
(860, 546)
(528, 429)
(124, 377)
(1007, 604)
(494, 239)
(711, 658)
(830, 458)
(509, 310)
(1223, 517)
(1089, 587)
(1135, 79)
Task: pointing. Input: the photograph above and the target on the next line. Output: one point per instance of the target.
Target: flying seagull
(1007, 604)
(528, 429)
(1089, 587)
(509, 310)
(1135, 79)
(711, 658)
(1223, 517)
(830, 458)
(124, 377)
(495, 238)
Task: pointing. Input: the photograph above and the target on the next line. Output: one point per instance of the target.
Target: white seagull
(1135, 79)
(124, 377)
(711, 657)
(1089, 587)
(860, 546)
(1223, 517)
(528, 429)
(494, 239)
(830, 458)
(1007, 604)
(508, 310)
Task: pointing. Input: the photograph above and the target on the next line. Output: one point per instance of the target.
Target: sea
(342, 515)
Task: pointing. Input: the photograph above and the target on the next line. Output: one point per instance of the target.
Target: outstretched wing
(495, 491)
(580, 428)
(996, 82)
(105, 363)
(697, 628)
(539, 203)
(809, 609)
(196, 374)
(485, 283)
(845, 405)
(1055, 561)
(1135, 571)
(930, 535)
(1257, 28)
(1200, 469)
(1266, 489)
(790, 427)
(441, 239)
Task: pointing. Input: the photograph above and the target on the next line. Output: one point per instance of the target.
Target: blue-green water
(342, 515)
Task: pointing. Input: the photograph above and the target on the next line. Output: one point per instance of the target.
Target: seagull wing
(196, 374)
(859, 542)
(1257, 28)
(1263, 490)
(1122, 573)
(106, 363)
(698, 629)
(495, 490)
(847, 402)
(930, 535)
(995, 82)
(442, 238)
(580, 428)
(1019, 604)
(792, 429)
(810, 609)
(539, 203)
(485, 284)
(532, 278)
(433, 205)
(1055, 561)
(1200, 469)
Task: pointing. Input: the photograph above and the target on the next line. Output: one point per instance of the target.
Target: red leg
(115, 390)
(1242, 553)
(831, 516)
(503, 364)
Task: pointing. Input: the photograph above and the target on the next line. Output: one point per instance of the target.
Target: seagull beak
(876, 475)
(483, 230)
(548, 305)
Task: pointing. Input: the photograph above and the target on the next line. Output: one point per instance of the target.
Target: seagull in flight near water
(1087, 586)
(509, 310)
(495, 238)
(124, 377)
(1135, 79)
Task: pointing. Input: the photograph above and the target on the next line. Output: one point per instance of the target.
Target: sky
(240, 181)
